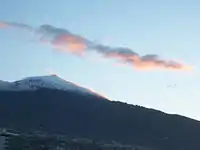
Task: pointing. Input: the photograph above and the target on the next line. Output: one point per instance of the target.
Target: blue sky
(167, 28)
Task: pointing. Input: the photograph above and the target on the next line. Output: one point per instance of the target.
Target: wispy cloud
(64, 40)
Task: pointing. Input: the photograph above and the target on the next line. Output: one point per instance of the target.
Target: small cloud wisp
(64, 40)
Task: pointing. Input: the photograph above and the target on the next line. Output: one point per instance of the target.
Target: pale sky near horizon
(169, 28)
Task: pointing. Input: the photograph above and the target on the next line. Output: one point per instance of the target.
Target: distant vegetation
(93, 117)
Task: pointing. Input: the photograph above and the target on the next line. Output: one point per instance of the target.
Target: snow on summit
(49, 81)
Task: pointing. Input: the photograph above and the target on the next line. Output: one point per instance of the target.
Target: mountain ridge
(89, 116)
(46, 81)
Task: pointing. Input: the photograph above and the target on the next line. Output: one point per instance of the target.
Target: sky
(169, 29)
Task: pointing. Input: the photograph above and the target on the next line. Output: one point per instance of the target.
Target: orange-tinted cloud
(64, 40)
(2, 25)
(16, 25)
(70, 43)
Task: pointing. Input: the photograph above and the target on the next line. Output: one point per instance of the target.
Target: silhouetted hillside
(94, 117)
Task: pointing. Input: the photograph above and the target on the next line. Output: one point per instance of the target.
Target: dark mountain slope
(94, 117)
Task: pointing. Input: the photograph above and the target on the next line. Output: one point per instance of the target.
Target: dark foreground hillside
(93, 117)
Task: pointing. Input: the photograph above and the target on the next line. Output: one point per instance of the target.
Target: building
(10, 140)
(2, 143)
(6, 138)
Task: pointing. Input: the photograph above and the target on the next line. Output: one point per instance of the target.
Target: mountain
(73, 113)
(49, 82)
(5, 85)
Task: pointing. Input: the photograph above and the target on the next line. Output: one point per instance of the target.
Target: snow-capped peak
(49, 81)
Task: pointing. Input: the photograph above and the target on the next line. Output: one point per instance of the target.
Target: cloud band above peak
(64, 40)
